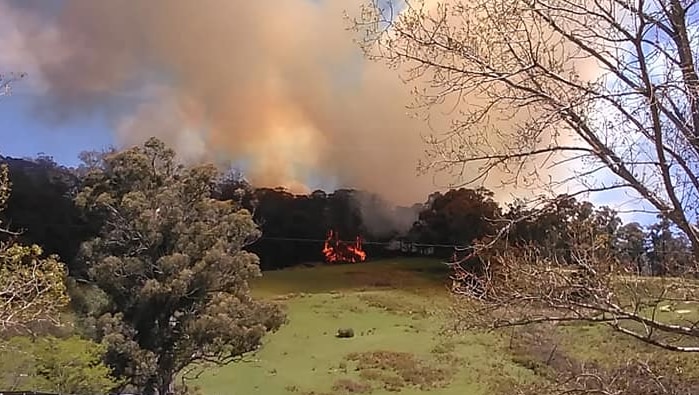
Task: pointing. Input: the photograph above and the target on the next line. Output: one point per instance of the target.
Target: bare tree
(525, 286)
(602, 91)
(609, 86)
(634, 377)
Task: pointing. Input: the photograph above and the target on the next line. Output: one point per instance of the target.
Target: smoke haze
(279, 84)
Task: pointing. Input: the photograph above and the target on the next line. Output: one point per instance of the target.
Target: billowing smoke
(279, 85)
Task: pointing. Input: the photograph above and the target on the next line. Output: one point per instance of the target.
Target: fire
(336, 250)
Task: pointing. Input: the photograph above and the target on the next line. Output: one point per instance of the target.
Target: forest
(294, 227)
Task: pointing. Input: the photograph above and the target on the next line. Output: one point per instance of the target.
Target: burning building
(336, 250)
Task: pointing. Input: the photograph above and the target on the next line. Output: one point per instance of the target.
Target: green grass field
(404, 340)
(398, 311)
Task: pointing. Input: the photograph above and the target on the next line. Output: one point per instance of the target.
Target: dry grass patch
(539, 349)
(394, 304)
(623, 371)
(351, 386)
(395, 370)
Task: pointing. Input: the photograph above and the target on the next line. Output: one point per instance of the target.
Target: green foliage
(565, 225)
(31, 286)
(67, 366)
(86, 299)
(630, 245)
(5, 186)
(668, 253)
(170, 259)
(458, 216)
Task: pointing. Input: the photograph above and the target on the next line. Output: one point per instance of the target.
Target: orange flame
(336, 250)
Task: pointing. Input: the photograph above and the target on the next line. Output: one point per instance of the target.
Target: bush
(71, 366)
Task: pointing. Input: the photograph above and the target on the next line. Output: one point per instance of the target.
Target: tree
(560, 223)
(604, 93)
(281, 216)
(607, 86)
(63, 365)
(459, 216)
(611, 86)
(631, 245)
(170, 259)
(31, 286)
(668, 254)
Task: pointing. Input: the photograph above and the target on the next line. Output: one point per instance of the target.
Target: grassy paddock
(397, 309)
(417, 275)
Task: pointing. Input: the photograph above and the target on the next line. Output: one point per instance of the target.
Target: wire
(309, 240)
(386, 243)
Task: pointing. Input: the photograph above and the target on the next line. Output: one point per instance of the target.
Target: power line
(378, 243)
(302, 240)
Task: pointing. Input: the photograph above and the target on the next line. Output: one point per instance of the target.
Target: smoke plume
(278, 84)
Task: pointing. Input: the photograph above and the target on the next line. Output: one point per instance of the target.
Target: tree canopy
(70, 365)
(170, 259)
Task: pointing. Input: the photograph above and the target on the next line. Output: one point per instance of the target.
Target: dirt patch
(395, 370)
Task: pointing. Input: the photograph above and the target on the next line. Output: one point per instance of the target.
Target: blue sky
(22, 134)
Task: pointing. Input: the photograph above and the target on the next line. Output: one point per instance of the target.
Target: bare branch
(530, 81)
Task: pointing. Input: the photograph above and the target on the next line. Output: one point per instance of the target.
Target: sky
(23, 135)
(292, 98)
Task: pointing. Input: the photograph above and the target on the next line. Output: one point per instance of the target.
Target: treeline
(571, 231)
(294, 226)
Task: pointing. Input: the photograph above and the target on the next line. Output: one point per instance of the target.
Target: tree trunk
(681, 37)
(166, 384)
